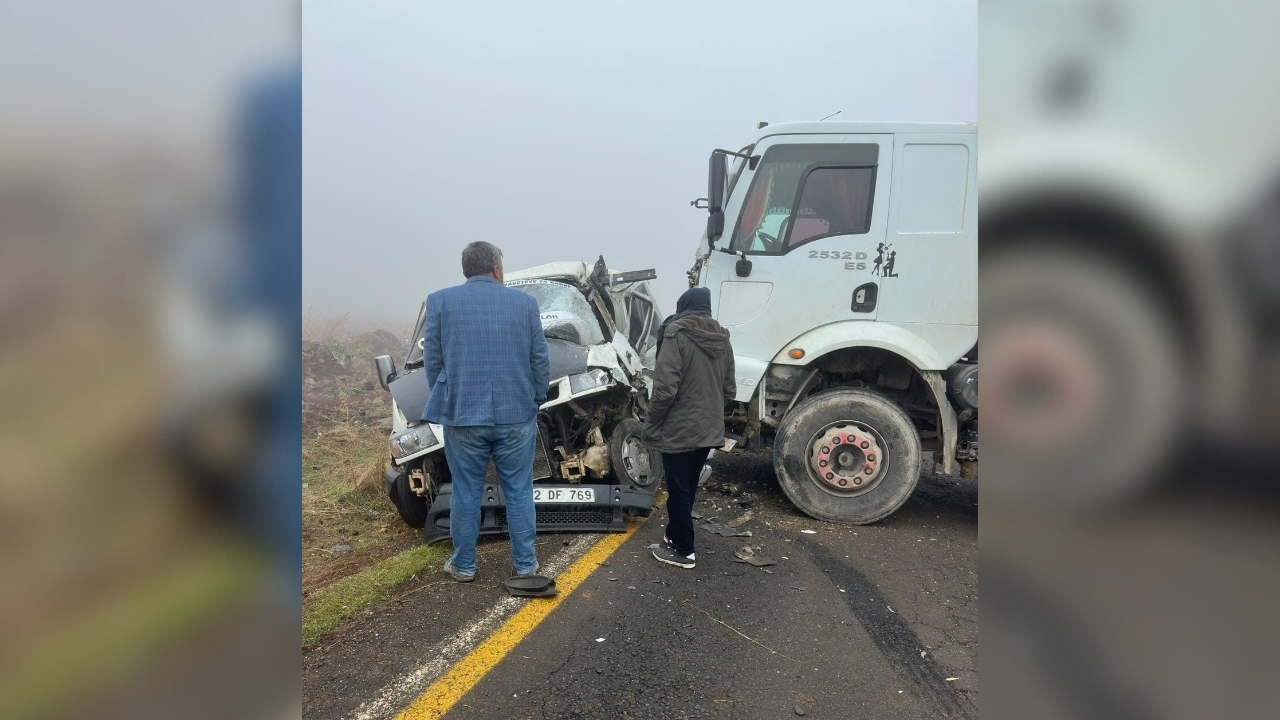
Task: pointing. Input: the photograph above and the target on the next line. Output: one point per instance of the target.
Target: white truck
(843, 259)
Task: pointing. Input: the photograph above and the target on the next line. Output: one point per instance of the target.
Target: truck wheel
(413, 508)
(847, 456)
(633, 463)
(1084, 389)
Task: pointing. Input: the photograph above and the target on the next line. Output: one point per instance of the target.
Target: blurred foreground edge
(1130, 290)
(150, 234)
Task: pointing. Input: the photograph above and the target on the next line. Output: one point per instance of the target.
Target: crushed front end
(591, 470)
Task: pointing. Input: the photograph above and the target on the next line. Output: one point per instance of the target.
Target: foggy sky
(561, 131)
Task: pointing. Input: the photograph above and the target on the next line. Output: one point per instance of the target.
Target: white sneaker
(671, 557)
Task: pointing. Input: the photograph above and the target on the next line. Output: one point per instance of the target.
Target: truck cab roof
(861, 127)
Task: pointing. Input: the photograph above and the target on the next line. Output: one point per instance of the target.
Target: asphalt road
(853, 622)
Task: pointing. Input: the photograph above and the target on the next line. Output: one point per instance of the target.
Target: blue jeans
(468, 449)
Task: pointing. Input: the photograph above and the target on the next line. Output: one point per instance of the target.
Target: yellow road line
(471, 669)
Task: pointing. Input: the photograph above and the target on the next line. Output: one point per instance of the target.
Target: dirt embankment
(347, 521)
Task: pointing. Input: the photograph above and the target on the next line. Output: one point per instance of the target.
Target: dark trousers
(682, 470)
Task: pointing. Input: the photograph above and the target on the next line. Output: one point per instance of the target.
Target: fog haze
(569, 130)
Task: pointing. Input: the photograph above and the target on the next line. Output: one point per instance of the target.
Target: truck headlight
(588, 380)
(412, 440)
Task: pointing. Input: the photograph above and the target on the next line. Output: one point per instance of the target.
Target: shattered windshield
(566, 314)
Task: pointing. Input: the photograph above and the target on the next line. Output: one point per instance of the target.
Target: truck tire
(1093, 349)
(413, 508)
(633, 463)
(847, 456)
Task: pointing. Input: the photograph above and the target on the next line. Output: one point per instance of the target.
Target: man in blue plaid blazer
(486, 357)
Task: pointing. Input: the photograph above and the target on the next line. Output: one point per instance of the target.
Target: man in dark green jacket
(692, 380)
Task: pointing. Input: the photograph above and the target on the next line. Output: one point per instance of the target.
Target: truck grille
(551, 515)
(541, 463)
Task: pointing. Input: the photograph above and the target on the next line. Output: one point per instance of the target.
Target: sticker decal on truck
(883, 265)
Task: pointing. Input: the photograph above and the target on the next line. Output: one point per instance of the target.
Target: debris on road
(340, 549)
(809, 532)
(747, 555)
(799, 710)
(801, 588)
(724, 530)
(599, 639)
(741, 519)
(531, 586)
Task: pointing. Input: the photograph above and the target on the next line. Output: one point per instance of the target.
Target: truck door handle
(864, 298)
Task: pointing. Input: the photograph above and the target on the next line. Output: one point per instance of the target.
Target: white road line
(401, 691)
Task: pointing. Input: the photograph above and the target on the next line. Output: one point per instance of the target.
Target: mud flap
(950, 433)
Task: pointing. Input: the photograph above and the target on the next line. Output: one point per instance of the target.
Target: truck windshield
(566, 314)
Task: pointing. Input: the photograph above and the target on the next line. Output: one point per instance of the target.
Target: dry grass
(342, 469)
(355, 548)
(318, 327)
(344, 503)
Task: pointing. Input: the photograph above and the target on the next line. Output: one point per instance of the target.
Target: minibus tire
(413, 508)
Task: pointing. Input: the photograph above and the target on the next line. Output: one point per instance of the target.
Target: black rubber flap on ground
(531, 586)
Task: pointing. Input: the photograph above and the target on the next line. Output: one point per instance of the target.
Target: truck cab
(843, 259)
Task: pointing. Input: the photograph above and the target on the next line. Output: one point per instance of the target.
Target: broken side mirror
(385, 369)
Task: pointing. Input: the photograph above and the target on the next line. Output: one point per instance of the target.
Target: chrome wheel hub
(846, 458)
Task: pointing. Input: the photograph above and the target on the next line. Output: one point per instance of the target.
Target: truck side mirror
(715, 226)
(717, 174)
(385, 369)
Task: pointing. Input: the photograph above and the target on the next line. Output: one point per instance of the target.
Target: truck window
(736, 172)
(833, 201)
(843, 193)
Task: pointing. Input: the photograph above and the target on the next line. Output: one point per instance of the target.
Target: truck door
(929, 270)
(808, 219)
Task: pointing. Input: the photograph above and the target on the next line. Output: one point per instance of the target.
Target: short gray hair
(480, 258)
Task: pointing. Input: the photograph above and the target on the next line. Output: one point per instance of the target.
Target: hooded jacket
(693, 378)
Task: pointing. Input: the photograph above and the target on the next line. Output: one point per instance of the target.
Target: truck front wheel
(848, 456)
